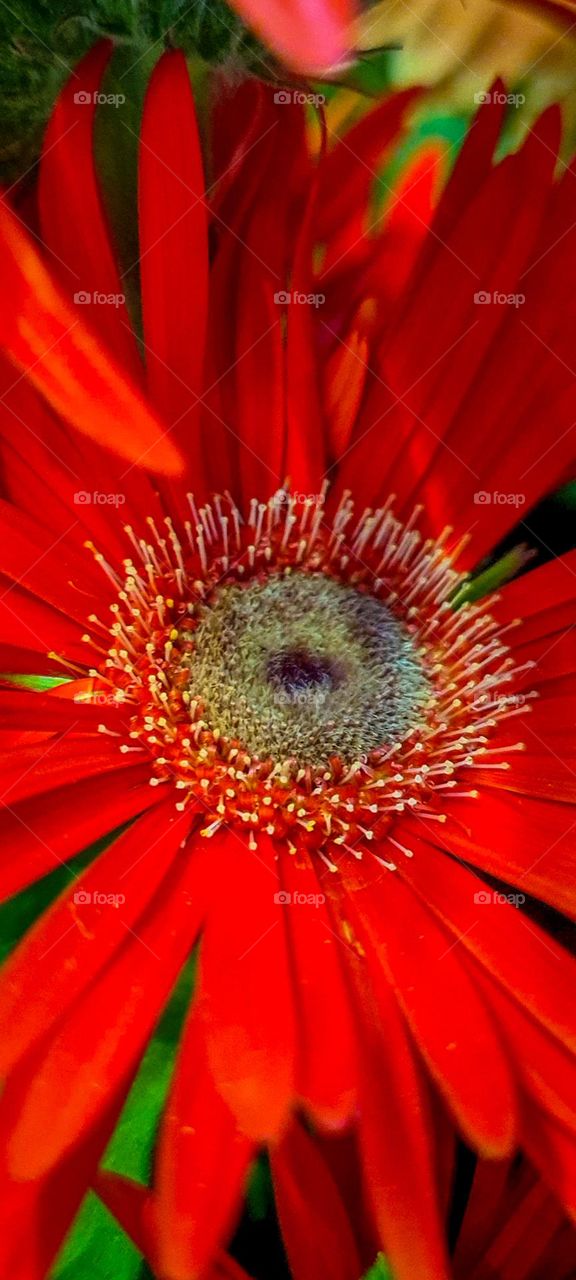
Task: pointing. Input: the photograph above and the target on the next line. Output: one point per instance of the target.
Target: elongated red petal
(526, 841)
(78, 1069)
(315, 1226)
(48, 712)
(44, 336)
(520, 955)
(397, 1147)
(201, 1165)
(72, 218)
(37, 769)
(36, 1216)
(326, 1063)
(174, 254)
(246, 992)
(83, 929)
(38, 836)
(446, 1013)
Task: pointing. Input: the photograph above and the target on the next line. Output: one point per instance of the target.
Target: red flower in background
(563, 10)
(312, 748)
(310, 38)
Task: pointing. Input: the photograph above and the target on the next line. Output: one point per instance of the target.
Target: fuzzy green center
(301, 667)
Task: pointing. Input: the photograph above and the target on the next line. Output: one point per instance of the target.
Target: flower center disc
(303, 676)
(302, 667)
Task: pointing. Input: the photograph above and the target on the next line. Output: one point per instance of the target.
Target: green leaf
(97, 1248)
(380, 1270)
(494, 577)
(567, 496)
(260, 1192)
(39, 684)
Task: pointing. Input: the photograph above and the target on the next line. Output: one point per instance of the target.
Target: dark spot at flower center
(296, 672)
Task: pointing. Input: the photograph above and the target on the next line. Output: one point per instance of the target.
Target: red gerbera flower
(269, 686)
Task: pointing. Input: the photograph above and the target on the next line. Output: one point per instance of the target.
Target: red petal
(26, 557)
(347, 175)
(35, 839)
(522, 957)
(545, 1068)
(326, 1064)
(246, 992)
(433, 451)
(473, 165)
(173, 252)
(73, 1076)
(37, 632)
(533, 595)
(201, 1166)
(530, 843)
(451, 1024)
(306, 452)
(73, 940)
(46, 712)
(396, 1140)
(35, 770)
(315, 1226)
(48, 341)
(36, 1216)
(552, 1148)
(72, 218)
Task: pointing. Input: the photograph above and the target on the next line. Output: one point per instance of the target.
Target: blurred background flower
(453, 49)
(456, 49)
